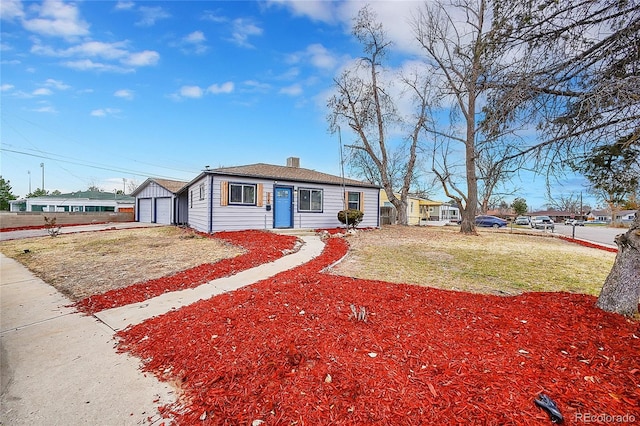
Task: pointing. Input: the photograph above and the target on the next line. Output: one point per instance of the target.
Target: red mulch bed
(262, 247)
(289, 351)
(589, 244)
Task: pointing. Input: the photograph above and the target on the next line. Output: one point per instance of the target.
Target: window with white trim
(353, 199)
(202, 191)
(242, 193)
(310, 200)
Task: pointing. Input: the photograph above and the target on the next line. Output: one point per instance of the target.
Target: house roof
(87, 195)
(173, 186)
(299, 174)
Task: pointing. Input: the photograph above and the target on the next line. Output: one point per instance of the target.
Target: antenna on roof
(206, 167)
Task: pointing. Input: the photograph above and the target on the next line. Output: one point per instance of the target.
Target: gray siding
(198, 210)
(230, 218)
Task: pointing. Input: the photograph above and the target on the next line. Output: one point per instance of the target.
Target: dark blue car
(490, 221)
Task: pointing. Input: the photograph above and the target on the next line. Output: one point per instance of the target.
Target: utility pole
(29, 173)
(124, 185)
(42, 165)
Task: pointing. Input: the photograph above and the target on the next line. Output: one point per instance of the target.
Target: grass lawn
(497, 262)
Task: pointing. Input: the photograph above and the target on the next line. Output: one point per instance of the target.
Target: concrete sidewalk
(60, 367)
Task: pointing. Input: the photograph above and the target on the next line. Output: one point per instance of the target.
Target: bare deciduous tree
(363, 101)
(579, 84)
(462, 54)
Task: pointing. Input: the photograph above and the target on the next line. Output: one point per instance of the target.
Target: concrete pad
(121, 317)
(59, 367)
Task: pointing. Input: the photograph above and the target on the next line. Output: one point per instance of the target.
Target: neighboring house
(600, 215)
(626, 216)
(81, 201)
(265, 196)
(437, 211)
(158, 201)
(421, 210)
(413, 206)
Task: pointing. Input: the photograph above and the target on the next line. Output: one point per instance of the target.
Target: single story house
(265, 196)
(80, 201)
(421, 210)
(626, 216)
(413, 206)
(158, 201)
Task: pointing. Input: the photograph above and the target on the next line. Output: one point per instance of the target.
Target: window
(191, 198)
(242, 194)
(353, 200)
(202, 191)
(310, 200)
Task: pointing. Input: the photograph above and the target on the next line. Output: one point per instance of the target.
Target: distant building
(81, 201)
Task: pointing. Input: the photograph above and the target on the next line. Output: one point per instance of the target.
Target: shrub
(351, 216)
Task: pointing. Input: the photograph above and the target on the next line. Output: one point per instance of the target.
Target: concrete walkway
(120, 318)
(60, 367)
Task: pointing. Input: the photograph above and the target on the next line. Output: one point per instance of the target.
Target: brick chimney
(293, 162)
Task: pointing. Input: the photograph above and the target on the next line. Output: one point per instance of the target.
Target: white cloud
(317, 10)
(103, 112)
(43, 91)
(57, 19)
(195, 37)
(211, 16)
(223, 88)
(316, 54)
(293, 90)
(56, 84)
(191, 92)
(256, 86)
(124, 5)
(46, 109)
(6, 87)
(11, 9)
(141, 59)
(124, 94)
(89, 65)
(242, 30)
(150, 15)
(194, 43)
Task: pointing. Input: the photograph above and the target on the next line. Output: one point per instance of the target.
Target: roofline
(143, 184)
(250, 175)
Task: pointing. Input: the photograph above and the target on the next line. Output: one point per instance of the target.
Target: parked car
(522, 220)
(574, 222)
(490, 221)
(542, 222)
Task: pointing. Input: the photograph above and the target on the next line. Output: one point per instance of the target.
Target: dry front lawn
(84, 264)
(495, 262)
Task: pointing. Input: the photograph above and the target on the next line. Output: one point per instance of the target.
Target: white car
(542, 222)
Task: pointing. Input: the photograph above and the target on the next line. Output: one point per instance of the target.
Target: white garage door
(163, 210)
(144, 213)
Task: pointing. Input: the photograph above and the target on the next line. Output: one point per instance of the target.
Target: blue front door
(282, 212)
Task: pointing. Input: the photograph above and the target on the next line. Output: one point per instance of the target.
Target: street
(597, 234)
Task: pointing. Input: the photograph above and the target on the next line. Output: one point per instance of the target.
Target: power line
(92, 165)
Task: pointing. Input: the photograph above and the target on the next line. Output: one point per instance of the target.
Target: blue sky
(101, 91)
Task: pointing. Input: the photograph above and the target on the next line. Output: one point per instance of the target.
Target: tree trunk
(621, 290)
(401, 211)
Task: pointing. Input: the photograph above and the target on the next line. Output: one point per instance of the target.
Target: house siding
(153, 191)
(198, 209)
(234, 217)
